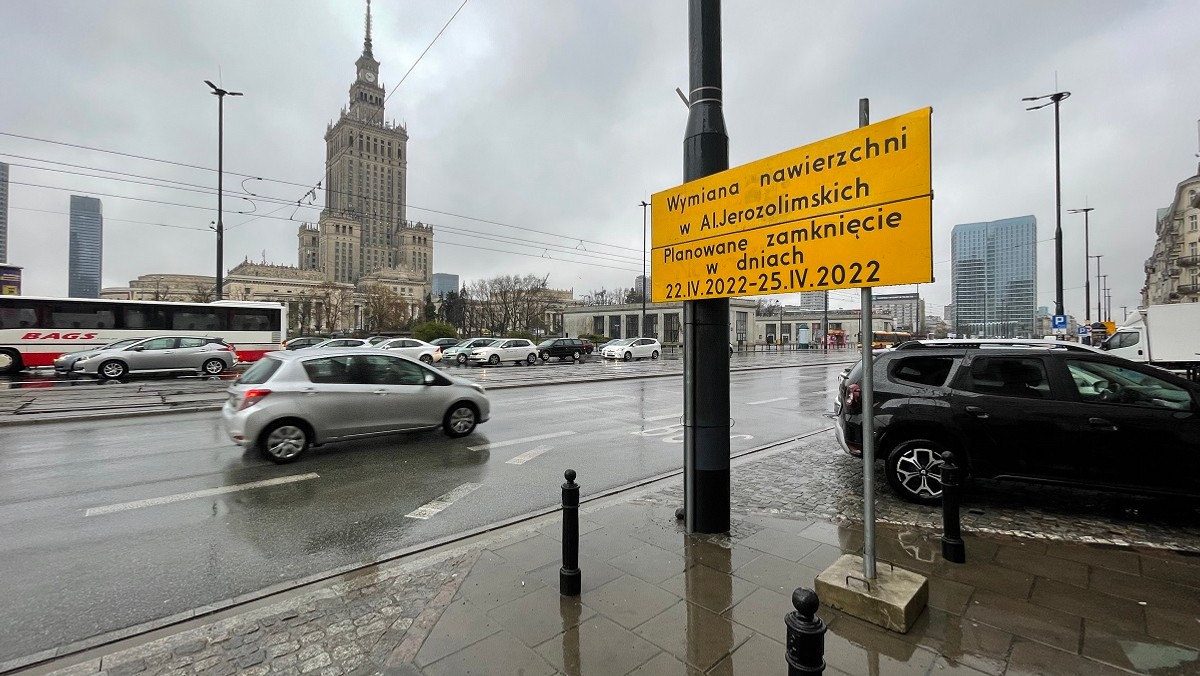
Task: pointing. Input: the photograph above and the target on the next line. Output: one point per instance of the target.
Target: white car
(632, 348)
(338, 343)
(413, 348)
(514, 350)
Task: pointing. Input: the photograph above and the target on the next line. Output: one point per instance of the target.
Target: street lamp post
(220, 94)
(1099, 308)
(642, 290)
(1055, 99)
(1087, 260)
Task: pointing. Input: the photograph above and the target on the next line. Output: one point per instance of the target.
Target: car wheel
(285, 441)
(10, 362)
(494, 360)
(213, 367)
(462, 359)
(460, 420)
(654, 354)
(628, 356)
(531, 359)
(426, 359)
(113, 370)
(914, 470)
(575, 355)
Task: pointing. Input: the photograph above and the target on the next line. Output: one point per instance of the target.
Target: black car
(444, 342)
(1037, 413)
(563, 348)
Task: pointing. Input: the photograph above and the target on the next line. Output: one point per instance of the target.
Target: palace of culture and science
(361, 239)
(362, 234)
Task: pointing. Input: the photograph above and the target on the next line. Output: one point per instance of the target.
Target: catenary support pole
(706, 322)
(867, 330)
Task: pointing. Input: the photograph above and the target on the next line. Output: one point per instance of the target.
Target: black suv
(1038, 412)
(563, 348)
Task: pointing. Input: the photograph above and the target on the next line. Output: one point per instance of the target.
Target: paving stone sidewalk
(659, 601)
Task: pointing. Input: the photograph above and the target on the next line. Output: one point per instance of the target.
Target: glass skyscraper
(3, 212)
(994, 278)
(86, 250)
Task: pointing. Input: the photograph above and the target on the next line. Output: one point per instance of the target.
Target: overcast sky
(561, 116)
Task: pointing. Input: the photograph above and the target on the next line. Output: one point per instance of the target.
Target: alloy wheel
(919, 471)
(286, 442)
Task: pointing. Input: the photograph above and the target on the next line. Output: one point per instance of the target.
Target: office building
(908, 310)
(3, 212)
(362, 236)
(994, 278)
(641, 284)
(811, 300)
(444, 283)
(86, 248)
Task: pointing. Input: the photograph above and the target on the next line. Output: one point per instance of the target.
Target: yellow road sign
(853, 210)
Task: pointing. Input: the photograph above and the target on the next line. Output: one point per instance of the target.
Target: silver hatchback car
(208, 355)
(288, 401)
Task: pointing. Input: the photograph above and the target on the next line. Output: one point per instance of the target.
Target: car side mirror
(430, 379)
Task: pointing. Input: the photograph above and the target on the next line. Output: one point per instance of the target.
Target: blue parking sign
(1059, 322)
(1083, 330)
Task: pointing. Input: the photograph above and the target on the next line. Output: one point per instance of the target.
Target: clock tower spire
(366, 94)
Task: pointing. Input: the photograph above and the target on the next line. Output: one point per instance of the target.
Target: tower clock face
(369, 77)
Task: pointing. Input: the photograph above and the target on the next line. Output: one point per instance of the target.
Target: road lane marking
(179, 497)
(441, 502)
(514, 442)
(666, 416)
(527, 456)
(767, 401)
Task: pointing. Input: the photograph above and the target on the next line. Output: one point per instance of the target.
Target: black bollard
(805, 635)
(569, 579)
(953, 549)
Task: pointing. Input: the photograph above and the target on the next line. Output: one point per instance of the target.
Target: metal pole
(825, 325)
(1058, 240)
(1099, 310)
(706, 322)
(569, 579)
(868, 403)
(220, 193)
(643, 289)
(1087, 260)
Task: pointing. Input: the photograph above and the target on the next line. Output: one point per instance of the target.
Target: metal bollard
(569, 579)
(953, 548)
(805, 635)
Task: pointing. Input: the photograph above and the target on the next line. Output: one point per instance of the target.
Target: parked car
(444, 342)
(301, 342)
(588, 346)
(1041, 412)
(514, 350)
(601, 346)
(358, 393)
(562, 348)
(632, 348)
(65, 363)
(205, 354)
(459, 353)
(413, 348)
(376, 340)
(339, 343)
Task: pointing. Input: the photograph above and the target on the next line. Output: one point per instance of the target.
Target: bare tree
(603, 296)
(506, 304)
(333, 300)
(385, 309)
(202, 293)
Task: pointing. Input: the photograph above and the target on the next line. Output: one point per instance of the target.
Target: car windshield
(120, 343)
(547, 343)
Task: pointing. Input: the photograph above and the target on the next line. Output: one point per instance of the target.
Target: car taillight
(225, 348)
(252, 397)
(853, 401)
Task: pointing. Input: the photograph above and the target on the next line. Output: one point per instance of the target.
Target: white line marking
(514, 442)
(527, 456)
(766, 401)
(666, 416)
(166, 499)
(441, 502)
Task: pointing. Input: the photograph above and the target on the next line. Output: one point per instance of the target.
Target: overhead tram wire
(251, 197)
(121, 220)
(503, 239)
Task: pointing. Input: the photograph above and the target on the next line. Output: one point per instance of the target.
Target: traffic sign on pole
(1059, 322)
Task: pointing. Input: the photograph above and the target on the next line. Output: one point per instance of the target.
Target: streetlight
(220, 94)
(643, 204)
(1087, 260)
(1055, 98)
(1099, 309)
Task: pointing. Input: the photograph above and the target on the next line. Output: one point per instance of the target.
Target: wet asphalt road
(69, 575)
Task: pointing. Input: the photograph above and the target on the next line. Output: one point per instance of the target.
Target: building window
(650, 330)
(671, 327)
(1192, 223)
(598, 325)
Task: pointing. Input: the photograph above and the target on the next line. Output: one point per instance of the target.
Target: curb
(14, 420)
(107, 639)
